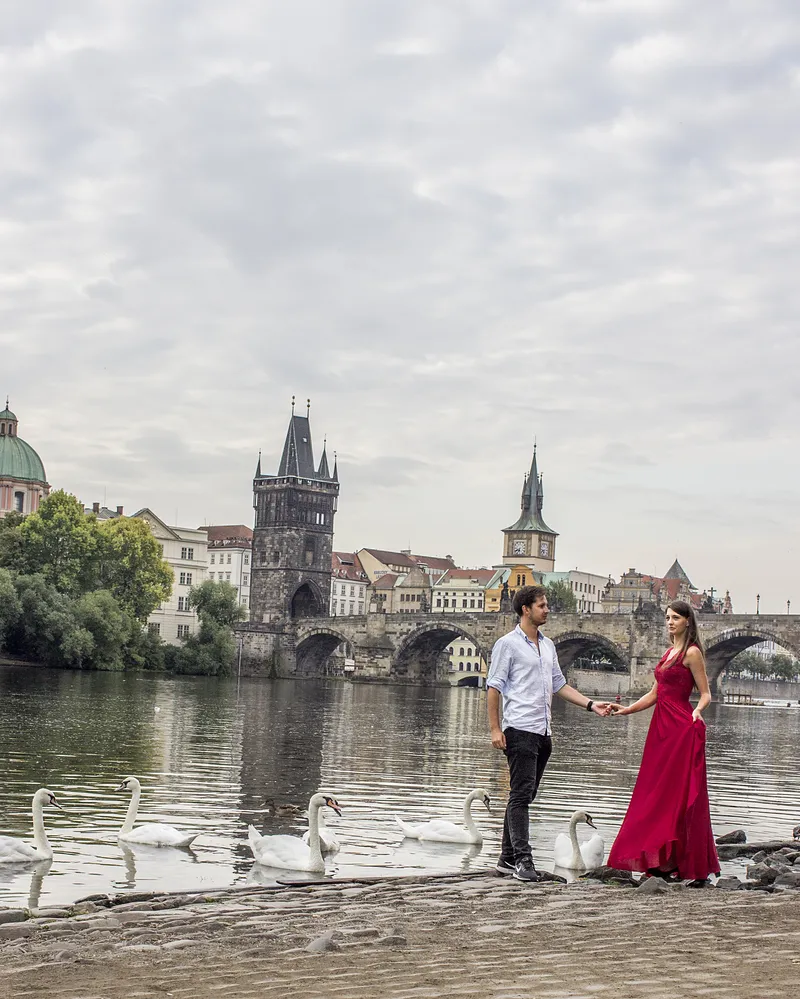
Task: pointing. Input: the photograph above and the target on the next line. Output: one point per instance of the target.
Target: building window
(461, 651)
(461, 667)
(244, 601)
(183, 631)
(185, 579)
(213, 557)
(341, 606)
(183, 603)
(438, 601)
(472, 603)
(247, 558)
(360, 608)
(19, 502)
(154, 628)
(446, 602)
(211, 575)
(187, 554)
(227, 576)
(352, 607)
(245, 580)
(464, 602)
(229, 558)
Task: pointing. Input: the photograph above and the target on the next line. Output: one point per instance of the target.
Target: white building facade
(587, 587)
(349, 585)
(186, 551)
(459, 591)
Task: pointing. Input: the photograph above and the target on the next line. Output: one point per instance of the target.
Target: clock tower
(530, 541)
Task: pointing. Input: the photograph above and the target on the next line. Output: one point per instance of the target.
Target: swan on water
(575, 856)
(290, 852)
(442, 831)
(796, 832)
(17, 851)
(328, 842)
(149, 833)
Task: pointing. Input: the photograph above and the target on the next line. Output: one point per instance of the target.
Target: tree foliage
(59, 542)
(778, 666)
(131, 567)
(560, 597)
(212, 650)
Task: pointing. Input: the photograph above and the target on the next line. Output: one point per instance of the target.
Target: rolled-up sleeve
(559, 679)
(498, 668)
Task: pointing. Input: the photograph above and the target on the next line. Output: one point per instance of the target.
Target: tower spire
(258, 466)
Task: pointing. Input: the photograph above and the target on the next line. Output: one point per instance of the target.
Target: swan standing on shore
(290, 852)
(575, 856)
(442, 831)
(17, 851)
(149, 833)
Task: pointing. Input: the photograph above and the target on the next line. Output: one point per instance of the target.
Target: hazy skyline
(456, 227)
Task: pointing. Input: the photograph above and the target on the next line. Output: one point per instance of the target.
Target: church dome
(18, 460)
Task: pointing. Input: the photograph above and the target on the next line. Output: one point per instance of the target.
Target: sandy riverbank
(477, 936)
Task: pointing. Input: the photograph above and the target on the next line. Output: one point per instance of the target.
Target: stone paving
(411, 938)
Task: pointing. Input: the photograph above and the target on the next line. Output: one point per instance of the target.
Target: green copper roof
(18, 460)
(7, 414)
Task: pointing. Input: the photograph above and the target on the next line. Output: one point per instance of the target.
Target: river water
(210, 753)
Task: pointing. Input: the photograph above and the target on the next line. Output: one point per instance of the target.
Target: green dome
(18, 460)
(7, 414)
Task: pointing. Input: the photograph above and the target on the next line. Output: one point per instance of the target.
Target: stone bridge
(411, 647)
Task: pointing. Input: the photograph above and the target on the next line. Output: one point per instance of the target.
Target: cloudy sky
(457, 227)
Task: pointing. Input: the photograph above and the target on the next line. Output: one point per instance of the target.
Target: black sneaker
(525, 871)
(503, 867)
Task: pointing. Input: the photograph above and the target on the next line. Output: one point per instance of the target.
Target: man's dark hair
(526, 596)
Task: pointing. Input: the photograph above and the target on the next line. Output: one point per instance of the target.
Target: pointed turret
(532, 501)
(335, 475)
(298, 455)
(676, 571)
(258, 467)
(323, 472)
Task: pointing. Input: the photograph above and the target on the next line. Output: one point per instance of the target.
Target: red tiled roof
(346, 565)
(433, 562)
(393, 558)
(385, 582)
(224, 532)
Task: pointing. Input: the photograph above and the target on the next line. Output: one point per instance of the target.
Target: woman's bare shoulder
(693, 655)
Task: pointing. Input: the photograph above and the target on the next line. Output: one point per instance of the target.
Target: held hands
(603, 708)
(620, 709)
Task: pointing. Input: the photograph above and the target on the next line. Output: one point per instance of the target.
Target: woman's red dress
(668, 822)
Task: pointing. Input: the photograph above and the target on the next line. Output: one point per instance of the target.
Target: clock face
(519, 548)
(544, 548)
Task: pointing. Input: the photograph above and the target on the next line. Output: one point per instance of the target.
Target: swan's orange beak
(334, 804)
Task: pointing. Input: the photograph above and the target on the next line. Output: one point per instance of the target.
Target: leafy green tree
(560, 597)
(10, 540)
(44, 622)
(111, 628)
(59, 542)
(216, 603)
(130, 566)
(10, 608)
(212, 650)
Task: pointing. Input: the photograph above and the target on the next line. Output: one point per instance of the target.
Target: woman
(667, 828)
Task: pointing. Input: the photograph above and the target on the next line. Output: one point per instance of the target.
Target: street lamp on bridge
(788, 605)
(758, 603)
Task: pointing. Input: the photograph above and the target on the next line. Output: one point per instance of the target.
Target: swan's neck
(469, 822)
(313, 834)
(43, 848)
(133, 808)
(577, 859)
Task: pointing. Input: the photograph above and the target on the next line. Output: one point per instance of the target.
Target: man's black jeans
(527, 755)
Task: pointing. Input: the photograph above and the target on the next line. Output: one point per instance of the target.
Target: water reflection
(31, 874)
(211, 757)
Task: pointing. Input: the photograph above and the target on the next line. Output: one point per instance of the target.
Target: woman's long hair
(692, 635)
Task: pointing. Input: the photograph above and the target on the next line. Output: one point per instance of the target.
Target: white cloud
(455, 227)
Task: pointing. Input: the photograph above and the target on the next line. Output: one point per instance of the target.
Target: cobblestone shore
(411, 938)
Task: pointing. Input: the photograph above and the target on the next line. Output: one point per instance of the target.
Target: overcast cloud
(456, 226)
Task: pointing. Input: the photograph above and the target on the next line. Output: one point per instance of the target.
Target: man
(525, 671)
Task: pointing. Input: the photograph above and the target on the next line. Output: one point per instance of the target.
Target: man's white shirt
(526, 679)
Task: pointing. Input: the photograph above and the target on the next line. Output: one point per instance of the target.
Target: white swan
(17, 851)
(575, 856)
(150, 833)
(290, 852)
(441, 831)
(328, 842)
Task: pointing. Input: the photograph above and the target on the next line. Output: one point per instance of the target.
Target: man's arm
(567, 693)
(493, 705)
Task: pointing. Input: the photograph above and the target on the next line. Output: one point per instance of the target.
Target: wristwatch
(590, 705)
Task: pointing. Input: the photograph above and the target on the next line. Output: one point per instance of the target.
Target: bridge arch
(314, 648)
(723, 647)
(573, 646)
(419, 655)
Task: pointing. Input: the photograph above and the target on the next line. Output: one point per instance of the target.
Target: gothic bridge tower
(293, 531)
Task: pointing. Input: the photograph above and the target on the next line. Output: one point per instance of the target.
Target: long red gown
(668, 822)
